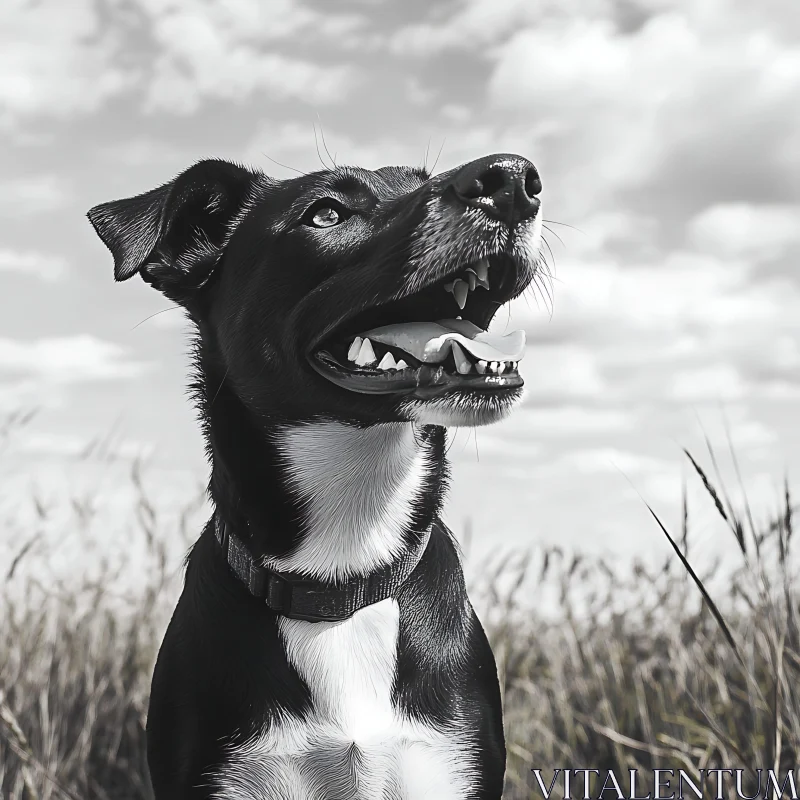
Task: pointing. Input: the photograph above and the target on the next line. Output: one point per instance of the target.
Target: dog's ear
(174, 235)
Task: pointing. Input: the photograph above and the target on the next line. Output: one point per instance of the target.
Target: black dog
(324, 645)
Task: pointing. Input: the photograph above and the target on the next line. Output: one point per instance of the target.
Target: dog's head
(344, 294)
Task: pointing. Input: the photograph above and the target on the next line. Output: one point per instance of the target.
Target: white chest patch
(359, 488)
(354, 745)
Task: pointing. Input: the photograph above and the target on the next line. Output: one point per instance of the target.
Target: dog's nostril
(487, 184)
(533, 183)
(492, 181)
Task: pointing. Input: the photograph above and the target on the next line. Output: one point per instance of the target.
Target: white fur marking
(457, 411)
(354, 745)
(359, 487)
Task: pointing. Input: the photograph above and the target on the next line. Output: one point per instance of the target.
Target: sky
(667, 135)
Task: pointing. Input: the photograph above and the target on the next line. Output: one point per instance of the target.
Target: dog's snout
(504, 186)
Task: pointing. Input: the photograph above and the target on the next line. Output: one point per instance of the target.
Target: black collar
(298, 597)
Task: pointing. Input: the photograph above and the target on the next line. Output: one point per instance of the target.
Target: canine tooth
(352, 353)
(366, 355)
(401, 364)
(463, 364)
(482, 270)
(460, 292)
(481, 367)
(387, 362)
(473, 280)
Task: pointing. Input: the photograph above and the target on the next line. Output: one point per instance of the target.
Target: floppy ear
(174, 235)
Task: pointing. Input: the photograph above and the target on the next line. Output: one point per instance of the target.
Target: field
(634, 671)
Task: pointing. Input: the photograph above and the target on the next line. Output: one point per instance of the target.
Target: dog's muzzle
(434, 339)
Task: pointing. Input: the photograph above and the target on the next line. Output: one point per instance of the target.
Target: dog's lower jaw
(460, 410)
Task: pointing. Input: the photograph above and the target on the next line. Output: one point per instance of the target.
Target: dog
(324, 646)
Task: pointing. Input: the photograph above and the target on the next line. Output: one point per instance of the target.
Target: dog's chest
(354, 745)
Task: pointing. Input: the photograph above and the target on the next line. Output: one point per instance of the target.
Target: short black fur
(235, 249)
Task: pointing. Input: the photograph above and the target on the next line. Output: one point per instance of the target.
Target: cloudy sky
(667, 134)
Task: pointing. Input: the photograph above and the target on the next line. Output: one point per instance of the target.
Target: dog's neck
(326, 499)
(358, 488)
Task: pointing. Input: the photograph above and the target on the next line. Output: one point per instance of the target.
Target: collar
(299, 597)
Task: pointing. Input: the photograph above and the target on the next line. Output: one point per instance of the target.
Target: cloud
(610, 459)
(67, 359)
(53, 62)
(711, 381)
(468, 26)
(759, 233)
(61, 61)
(690, 328)
(255, 21)
(571, 420)
(45, 266)
(561, 373)
(684, 106)
(198, 61)
(32, 194)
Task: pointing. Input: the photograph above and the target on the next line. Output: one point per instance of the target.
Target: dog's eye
(326, 213)
(325, 217)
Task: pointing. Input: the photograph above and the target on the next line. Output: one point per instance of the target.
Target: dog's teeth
(352, 353)
(501, 367)
(448, 287)
(472, 278)
(387, 362)
(402, 364)
(460, 292)
(481, 367)
(482, 270)
(463, 364)
(366, 355)
(493, 365)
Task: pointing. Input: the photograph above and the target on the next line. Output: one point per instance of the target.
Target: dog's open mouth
(432, 341)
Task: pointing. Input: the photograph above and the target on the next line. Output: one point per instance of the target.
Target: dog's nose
(505, 186)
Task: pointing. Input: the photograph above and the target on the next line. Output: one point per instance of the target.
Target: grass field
(634, 671)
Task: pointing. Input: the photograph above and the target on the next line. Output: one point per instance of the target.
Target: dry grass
(636, 670)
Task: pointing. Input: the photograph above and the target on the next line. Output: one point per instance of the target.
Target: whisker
(285, 166)
(437, 156)
(324, 143)
(546, 292)
(553, 222)
(319, 154)
(171, 308)
(552, 254)
(220, 385)
(550, 230)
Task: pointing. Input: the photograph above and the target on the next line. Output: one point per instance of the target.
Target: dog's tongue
(429, 342)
